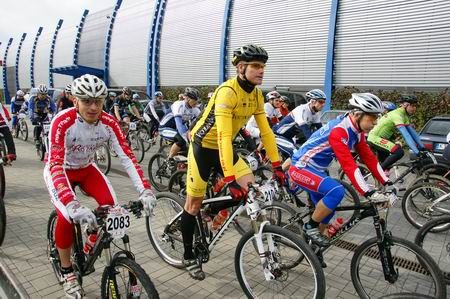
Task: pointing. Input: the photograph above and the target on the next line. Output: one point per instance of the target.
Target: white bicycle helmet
(20, 93)
(136, 96)
(158, 94)
(366, 102)
(273, 95)
(89, 86)
(315, 94)
(68, 88)
(42, 89)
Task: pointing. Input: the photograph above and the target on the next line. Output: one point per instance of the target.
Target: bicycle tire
(429, 228)
(159, 178)
(137, 147)
(2, 182)
(166, 203)
(111, 150)
(3, 147)
(299, 280)
(423, 212)
(176, 183)
(370, 279)
(432, 179)
(2, 208)
(52, 251)
(137, 274)
(23, 128)
(144, 135)
(105, 156)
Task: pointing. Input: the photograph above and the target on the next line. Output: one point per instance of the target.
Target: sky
(19, 16)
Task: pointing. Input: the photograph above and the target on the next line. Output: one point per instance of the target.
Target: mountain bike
(122, 276)
(42, 140)
(383, 265)
(2, 204)
(21, 128)
(437, 231)
(269, 260)
(102, 158)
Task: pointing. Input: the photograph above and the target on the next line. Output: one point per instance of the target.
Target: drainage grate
(398, 261)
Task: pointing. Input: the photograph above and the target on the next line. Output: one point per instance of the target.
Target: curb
(8, 280)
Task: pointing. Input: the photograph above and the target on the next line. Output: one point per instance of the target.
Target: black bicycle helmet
(412, 99)
(249, 53)
(192, 93)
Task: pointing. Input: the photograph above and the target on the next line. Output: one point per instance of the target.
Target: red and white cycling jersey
(72, 144)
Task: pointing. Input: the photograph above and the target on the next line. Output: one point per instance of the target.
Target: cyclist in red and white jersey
(74, 136)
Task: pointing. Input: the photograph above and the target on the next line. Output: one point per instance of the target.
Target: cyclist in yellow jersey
(228, 110)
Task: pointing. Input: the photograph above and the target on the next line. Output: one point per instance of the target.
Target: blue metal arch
(224, 42)
(78, 36)
(108, 42)
(52, 52)
(328, 84)
(155, 43)
(33, 54)
(5, 75)
(19, 48)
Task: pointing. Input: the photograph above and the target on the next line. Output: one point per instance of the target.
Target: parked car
(330, 115)
(434, 134)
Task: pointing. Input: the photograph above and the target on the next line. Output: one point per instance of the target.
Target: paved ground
(24, 250)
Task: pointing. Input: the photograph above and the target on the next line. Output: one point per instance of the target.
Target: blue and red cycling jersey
(337, 139)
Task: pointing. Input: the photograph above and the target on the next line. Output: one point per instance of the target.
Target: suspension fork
(265, 256)
(384, 242)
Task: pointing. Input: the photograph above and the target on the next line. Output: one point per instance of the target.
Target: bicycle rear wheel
(418, 274)
(177, 183)
(418, 200)
(132, 281)
(23, 129)
(52, 252)
(164, 228)
(427, 239)
(305, 280)
(158, 172)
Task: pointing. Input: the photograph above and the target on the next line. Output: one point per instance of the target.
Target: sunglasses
(89, 102)
(256, 65)
(320, 101)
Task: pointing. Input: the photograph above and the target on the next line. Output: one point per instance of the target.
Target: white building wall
(129, 43)
(293, 32)
(190, 42)
(64, 48)
(42, 57)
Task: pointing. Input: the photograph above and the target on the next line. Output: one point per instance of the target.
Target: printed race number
(117, 222)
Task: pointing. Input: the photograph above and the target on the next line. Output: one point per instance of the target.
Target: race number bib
(117, 222)
(133, 126)
(46, 128)
(268, 192)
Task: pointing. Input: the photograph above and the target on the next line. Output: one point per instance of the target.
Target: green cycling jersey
(389, 123)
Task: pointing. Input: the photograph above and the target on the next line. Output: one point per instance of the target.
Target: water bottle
(220, 219)
(207, 222)
(335, 226)
(90, 242)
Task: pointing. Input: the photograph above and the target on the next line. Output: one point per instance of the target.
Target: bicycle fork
(384, 246)
(268, 258)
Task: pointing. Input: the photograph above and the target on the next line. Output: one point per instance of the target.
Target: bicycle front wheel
(137, 146)
(419, 203)
(132, 281)
(418, 275)
(102, 158)
(2, 220)
(281, 247)
(164, 228)
(23, 128)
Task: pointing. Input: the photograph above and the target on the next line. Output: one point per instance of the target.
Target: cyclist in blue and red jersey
(336, 140)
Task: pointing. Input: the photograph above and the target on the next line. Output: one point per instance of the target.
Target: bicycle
(438, 225)
(135, 141)
(266, 249)
(21, 128)
(42, 139)
(425, 201)
(102, 158)
(2, 204)
(113, 222)
(371, 281)
(160, 170)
